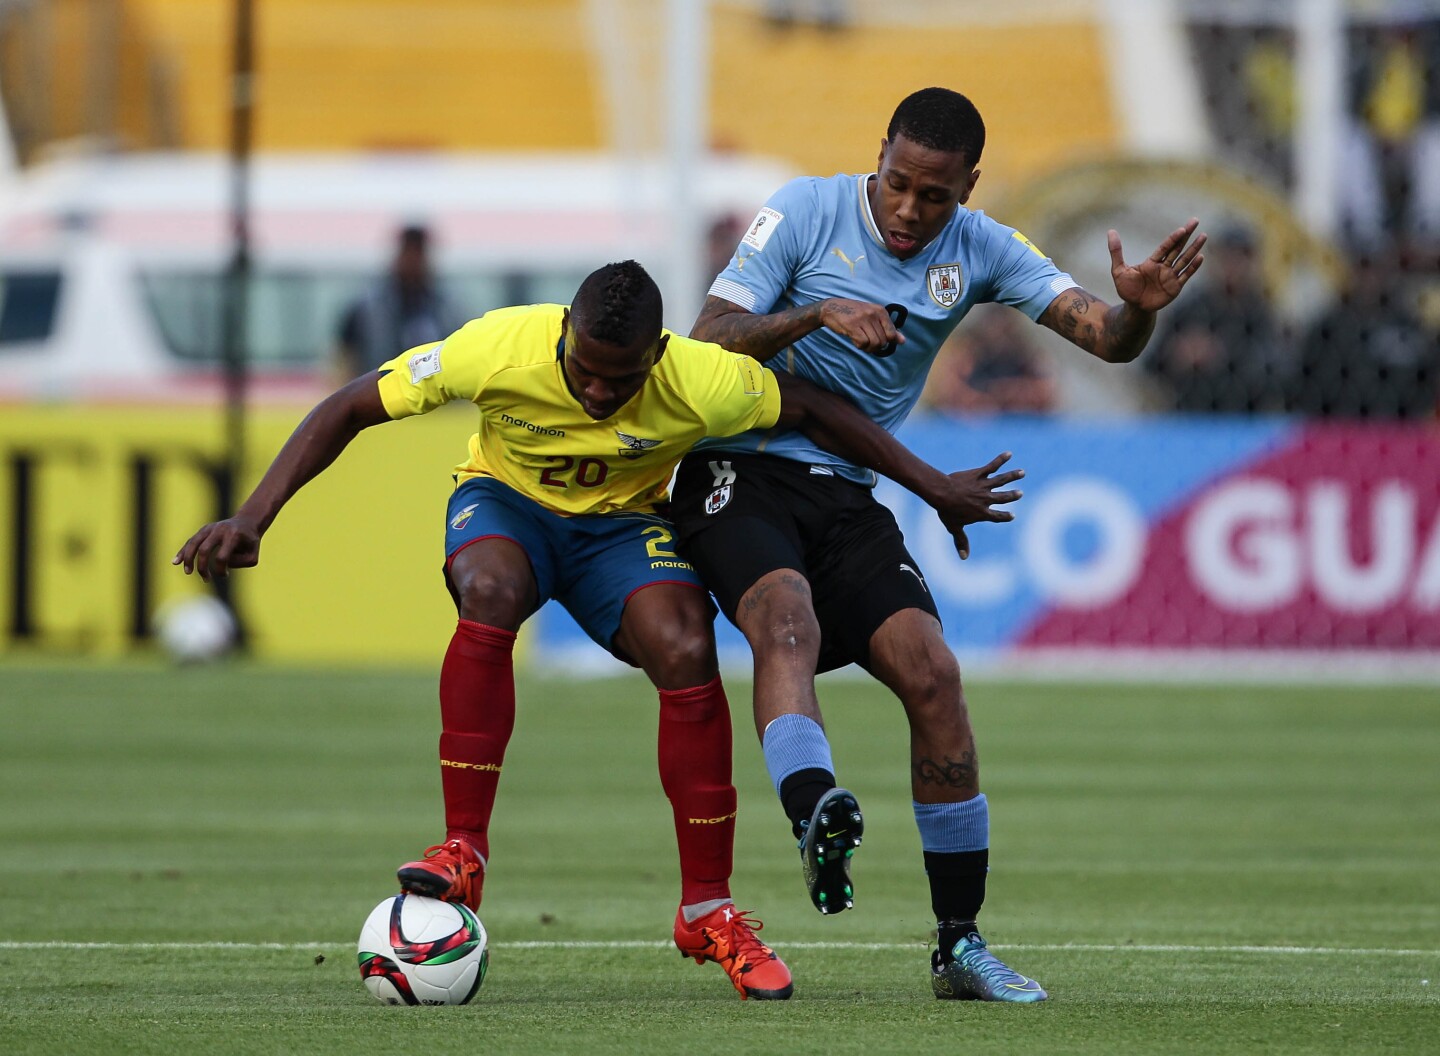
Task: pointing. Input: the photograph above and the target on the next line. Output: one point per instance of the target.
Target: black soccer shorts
(739, 517)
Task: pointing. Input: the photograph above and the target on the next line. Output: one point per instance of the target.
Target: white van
(111, 267)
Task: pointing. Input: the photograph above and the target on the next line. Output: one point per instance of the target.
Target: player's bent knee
(497, 600)
(779, 622)
(931, 681)
(677, 658)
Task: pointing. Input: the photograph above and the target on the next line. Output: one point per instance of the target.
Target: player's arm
(315, 443)
(1119, 333)
(869, 326)
(836, 424)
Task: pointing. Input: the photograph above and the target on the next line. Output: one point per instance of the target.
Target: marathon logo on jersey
(635, 446)
(425, 364)
(718, 499)
(943, 281)
(463, 517)
(530, 427)
(766, 221)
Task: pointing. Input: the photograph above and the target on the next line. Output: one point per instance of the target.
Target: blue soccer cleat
(826, 847)
(975, 974)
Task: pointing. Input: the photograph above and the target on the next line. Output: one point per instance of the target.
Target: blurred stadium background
(1260, 493)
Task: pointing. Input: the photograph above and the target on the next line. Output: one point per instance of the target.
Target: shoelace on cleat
(742, 945)
(463, 871)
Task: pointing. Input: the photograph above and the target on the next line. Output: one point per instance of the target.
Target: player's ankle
(949, 932)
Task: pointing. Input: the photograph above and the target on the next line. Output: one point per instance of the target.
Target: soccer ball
(421, 951)
(196, 629)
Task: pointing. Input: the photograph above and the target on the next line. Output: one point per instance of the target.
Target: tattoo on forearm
(952, 773)
(760, 336)
(1076, 322)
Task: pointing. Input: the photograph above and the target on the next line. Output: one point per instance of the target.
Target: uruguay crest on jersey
(943, 281)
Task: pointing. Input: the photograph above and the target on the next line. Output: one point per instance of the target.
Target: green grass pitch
(1198, 869)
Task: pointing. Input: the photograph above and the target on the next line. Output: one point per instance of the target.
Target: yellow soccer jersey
(535, 437)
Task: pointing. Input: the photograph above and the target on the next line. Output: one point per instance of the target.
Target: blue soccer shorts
(591, 564)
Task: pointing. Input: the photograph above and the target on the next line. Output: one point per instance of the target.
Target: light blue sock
(792, 743)
(948, 828)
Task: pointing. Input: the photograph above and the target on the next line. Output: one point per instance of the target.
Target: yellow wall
(509, 75)
(350, 572)
(359, 74)
(823, 99)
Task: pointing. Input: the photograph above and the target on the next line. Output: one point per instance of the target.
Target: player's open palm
(219, 547)
(971, 496)
(1158, 279)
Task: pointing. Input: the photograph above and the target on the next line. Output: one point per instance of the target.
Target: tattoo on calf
(953, 773)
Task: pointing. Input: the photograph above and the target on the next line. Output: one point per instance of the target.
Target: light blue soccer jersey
(816, 238)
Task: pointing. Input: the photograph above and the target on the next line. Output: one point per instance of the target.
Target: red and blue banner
(1269, 537)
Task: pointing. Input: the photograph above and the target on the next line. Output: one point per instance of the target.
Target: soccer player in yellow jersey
(584, 413)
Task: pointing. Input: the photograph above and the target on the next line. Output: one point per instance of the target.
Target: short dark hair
(619, 304)
(939, 119)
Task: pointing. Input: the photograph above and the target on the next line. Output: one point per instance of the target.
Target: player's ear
(969, 185)
(880, 161)
(660, 348)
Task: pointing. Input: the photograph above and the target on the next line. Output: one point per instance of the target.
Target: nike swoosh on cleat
(832, 835)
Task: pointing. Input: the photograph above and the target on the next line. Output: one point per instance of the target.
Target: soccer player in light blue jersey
(854, 282)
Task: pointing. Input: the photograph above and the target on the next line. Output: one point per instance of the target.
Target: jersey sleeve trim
(729, 290)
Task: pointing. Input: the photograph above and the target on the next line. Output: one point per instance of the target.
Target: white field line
(645, 944)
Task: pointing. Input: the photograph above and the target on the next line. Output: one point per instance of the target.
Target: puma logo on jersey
(740, 258)
(916, 573)
(837, 251)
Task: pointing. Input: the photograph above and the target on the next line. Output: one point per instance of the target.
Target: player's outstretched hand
(868, 325)
(217, 548)
(1158, 279)
(970, 496)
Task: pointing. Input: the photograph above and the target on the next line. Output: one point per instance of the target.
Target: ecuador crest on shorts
(943, 282)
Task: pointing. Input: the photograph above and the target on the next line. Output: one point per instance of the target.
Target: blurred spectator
(1369, 356)
(1220, 348)
(990, 366)
(1393, 143)
(402, 309)
(1248, 75)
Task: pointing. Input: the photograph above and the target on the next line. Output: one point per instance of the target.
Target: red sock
(695, 772)
(477, 714)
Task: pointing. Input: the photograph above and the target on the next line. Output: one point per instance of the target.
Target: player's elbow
(709, 328)
(713, 322)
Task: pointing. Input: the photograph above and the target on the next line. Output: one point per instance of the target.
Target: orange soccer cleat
(727, 936)
(451, 871)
